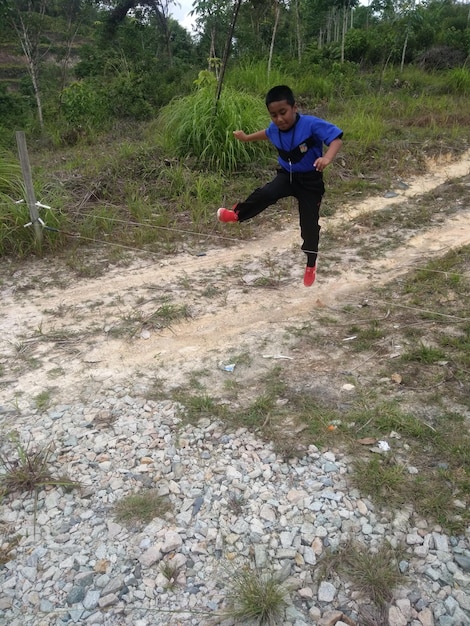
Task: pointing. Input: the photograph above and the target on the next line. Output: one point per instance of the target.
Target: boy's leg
(310, 230)
(263, 197)
(309, 198)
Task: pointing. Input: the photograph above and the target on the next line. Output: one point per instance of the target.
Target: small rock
(326, 592)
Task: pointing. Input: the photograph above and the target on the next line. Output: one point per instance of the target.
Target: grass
(255, 595)
(158, 191)
(373, 573)
(24, 469)
(43, 400)
(7, 549)
(170, 571)
(194, 127)
(415, 400)
(141, 508)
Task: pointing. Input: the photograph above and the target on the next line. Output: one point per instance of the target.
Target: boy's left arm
(328, 157)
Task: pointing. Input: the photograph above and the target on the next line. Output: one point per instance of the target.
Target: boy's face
(283, 114)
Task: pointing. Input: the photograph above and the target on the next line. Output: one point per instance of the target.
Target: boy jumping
(299, 141)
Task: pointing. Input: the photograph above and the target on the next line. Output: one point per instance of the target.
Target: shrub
(195, 126)
(458, 81)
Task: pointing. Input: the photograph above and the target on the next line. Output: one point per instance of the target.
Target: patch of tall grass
(195, 126)
(253, 77)
(15, 239)
(458, 81)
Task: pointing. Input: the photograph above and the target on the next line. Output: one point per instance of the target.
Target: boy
(299, 141)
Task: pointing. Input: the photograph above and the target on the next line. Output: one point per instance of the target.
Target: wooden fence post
(28, 181)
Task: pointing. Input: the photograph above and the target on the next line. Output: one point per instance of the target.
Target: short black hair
(278, 93)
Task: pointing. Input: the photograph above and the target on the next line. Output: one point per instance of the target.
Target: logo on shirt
(303, 148)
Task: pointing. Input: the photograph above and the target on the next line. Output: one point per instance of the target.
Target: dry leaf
(367, 441)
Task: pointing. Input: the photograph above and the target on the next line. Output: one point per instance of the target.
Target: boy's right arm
(260, 135)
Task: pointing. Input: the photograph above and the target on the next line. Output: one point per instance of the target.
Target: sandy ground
(61, 332)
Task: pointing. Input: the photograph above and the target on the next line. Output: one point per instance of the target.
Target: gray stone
(108, 600)
(114, 586)
(396, 617)
(463, 562)
(76, 594)
(91, 599)
(441, 542)
(326, 592)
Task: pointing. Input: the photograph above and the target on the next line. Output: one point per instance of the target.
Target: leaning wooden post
(28, 181)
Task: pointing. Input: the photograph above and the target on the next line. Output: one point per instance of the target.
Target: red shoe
(227, 215)
(310, 275)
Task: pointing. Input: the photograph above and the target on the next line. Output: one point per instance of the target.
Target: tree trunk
(228, 44)
(298, 31)
(403, 52)
(29, 39)
(273, 37)
(343, 31)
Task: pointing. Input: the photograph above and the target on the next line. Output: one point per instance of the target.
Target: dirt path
(240, 300)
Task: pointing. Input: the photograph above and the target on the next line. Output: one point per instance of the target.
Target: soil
(230, 305)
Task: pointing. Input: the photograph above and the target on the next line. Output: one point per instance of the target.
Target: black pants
(307, 187)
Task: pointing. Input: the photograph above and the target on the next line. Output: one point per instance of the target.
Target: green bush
(458, 81)
(193, 126)
(14, 114)
(84, 110)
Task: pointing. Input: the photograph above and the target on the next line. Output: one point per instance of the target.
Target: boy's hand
(321, 163)
(240, 135)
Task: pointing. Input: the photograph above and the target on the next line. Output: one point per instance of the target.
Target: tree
(159, 8)
(28, 21)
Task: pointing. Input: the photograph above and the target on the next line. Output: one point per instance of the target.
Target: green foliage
(83, 110)
(458, 81)
(14, 237)
(140, 508)
(14, 115)
(255, 595)
(26, 470)
(194, 126)
(374, 573)
(253, 77)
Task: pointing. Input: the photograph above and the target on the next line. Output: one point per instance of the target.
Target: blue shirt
(301, 145)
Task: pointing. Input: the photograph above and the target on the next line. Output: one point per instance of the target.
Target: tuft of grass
(255, 595)
(236, 502)
(193, 126)
(424, 354)
(382, 478)
(374, 573)
(26, 470)
(141, 508)
(170, 571)
(7, 549)
(166, 315)
(43, 400)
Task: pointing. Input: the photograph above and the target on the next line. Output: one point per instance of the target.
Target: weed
(365, 338)
(7, 549)
(257, 414)
(381, 478)
(165, 315)
(56, 372)
(43, 400)
(191, 128)
(373, 572)
(197, 406)
(424, 354)
(141, 508)
(255, 595)
(170, 571)
(210, 292)
(236, 502)
(29, 470)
